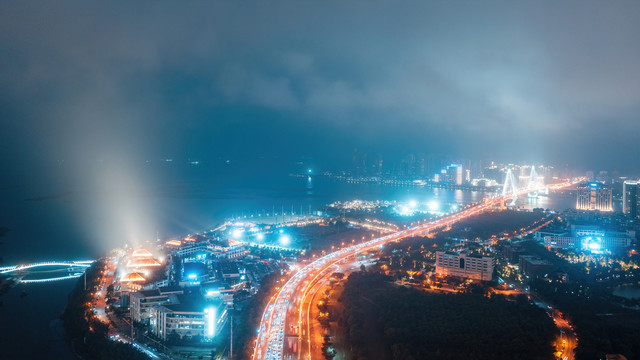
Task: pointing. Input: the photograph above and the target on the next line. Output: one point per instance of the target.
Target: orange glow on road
(271, 332)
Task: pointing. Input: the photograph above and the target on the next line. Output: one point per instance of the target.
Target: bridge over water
(46, 271)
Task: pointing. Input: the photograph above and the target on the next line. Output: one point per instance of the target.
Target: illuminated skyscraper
(459, 178)
(594, 196)
(630, 198)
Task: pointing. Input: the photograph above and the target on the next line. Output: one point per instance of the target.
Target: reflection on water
(56, 227)
(628, 291)
(551, 201)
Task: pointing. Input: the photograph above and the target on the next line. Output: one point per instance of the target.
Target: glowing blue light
(237, 233)
(413, 204)
(433, 205)
(260, 236)
(594, 246)
(192, 276)
(210, 319)
(285, 240)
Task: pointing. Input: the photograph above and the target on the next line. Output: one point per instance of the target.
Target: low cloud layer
(544, 81)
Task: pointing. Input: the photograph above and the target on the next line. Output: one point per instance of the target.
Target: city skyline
(320, 180)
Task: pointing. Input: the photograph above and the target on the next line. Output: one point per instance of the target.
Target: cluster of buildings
(178, 312)
(594, 227)
(442, 169)
(496, 175)
(189, 296)
(454, 173)
(528, 264)
(141, 266)
(596, 239)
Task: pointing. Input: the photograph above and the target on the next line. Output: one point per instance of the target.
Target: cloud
(491, 73)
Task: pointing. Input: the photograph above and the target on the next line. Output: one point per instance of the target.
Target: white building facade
(450, 263)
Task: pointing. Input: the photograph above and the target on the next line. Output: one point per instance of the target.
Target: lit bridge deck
(73, 269)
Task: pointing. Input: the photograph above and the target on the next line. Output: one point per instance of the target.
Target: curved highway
(283, 324)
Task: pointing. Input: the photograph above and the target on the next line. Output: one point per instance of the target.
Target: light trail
(271, 332)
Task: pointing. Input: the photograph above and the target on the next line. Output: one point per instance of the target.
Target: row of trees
(88, 335)
(413, 324)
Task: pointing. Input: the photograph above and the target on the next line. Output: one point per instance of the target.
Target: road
(285, 318)
(100, 297)
(119, 329)
(568, 338)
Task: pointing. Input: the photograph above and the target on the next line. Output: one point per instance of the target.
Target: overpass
(286, 306)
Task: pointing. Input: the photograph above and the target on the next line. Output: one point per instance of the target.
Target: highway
(285, 327)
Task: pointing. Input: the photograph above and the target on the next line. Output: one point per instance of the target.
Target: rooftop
(192, 302)
(141, 253)
(143, 262)
(132, 277)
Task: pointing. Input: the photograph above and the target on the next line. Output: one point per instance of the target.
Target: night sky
(550, 82)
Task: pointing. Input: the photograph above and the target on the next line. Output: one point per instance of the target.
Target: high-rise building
(594, 196)
(630, 200)
(459, 177)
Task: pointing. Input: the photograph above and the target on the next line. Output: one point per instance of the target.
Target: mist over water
(84, 217)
